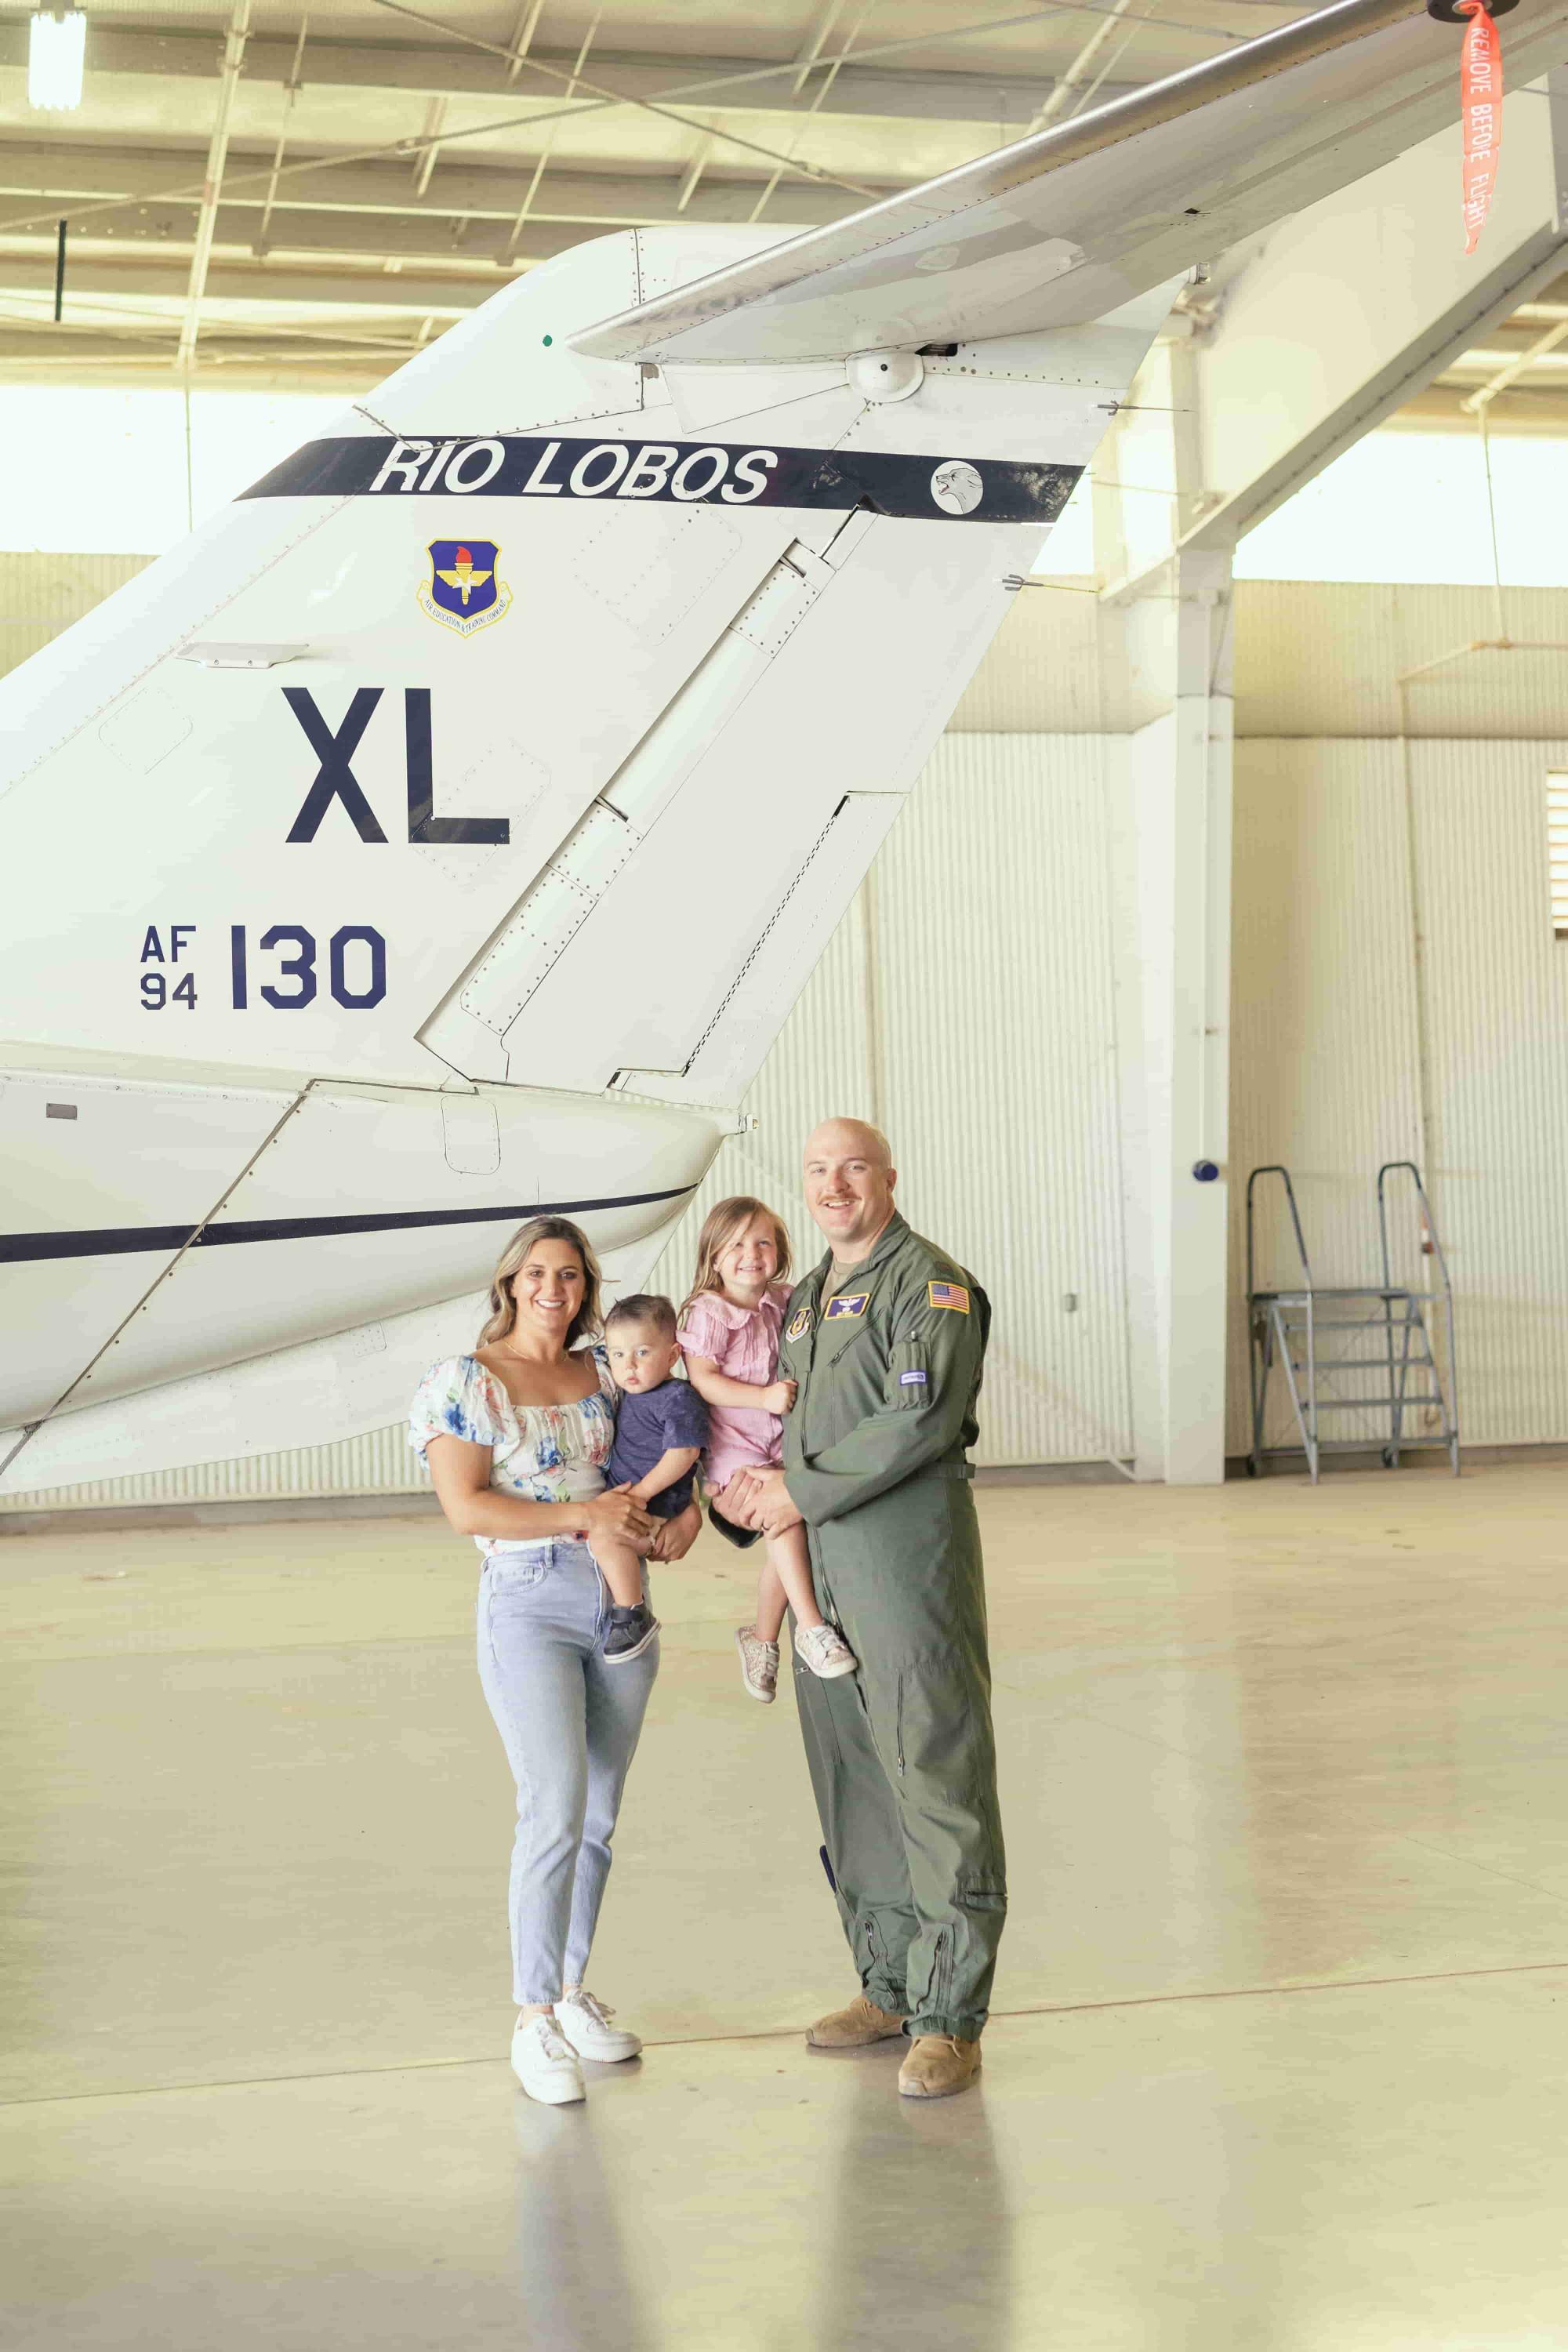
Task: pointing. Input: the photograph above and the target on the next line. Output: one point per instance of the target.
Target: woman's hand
(618, 1514)
(676, 1537)
(780, 1397)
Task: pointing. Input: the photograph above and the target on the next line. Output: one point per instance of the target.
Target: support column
(1170, 864)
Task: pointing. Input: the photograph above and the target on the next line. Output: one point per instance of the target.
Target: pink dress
(743, 1342)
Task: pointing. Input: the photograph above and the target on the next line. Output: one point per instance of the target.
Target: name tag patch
(912, 1380)
(800, 1325)
(948, 1293)
(839, 1309)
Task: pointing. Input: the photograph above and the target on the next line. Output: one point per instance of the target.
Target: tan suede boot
(938, 2065)
(855, 2028)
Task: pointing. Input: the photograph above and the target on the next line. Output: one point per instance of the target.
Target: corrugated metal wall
(42, 594)
(1348, 1051)
(966, 1001)
(966, 1004)
(1497, 997)
(1323, 657)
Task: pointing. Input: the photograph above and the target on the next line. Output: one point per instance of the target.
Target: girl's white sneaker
(824, 1650)
(586, 2022)
(758, 1664)
(544, 2066)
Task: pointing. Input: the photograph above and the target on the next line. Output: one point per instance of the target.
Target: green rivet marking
(548, 341)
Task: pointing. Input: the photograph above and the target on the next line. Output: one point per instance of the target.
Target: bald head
(849, 1179)
(838, 1136)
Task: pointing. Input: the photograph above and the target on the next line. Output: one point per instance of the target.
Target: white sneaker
(826, 1652)
(586, 2022)
(758, 1664)
(543, 2064)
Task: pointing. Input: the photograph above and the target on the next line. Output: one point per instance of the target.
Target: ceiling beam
(409, 294)
(35, 176)
(478, 249)
(50, 172)
(995, 103)
(211, 182)
(220, 366)
(1523, 409)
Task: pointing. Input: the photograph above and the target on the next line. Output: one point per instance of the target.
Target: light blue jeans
(570, 1724)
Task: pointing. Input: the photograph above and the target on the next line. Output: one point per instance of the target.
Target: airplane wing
(1060, 228)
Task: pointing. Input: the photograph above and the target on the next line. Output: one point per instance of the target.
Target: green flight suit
(901, 1755)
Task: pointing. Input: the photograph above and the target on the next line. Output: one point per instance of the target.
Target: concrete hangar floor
(1278, 2061)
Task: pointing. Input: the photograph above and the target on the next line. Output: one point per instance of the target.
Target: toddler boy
(661, 1427)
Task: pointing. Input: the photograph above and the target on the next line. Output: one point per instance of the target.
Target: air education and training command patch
(800, 1325)
(463, 592)
(842, 1308)
(948, 1293)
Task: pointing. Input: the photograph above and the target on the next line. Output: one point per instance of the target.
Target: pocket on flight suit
(909, 1376)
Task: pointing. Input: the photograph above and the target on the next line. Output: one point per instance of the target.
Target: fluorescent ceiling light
(55, 53)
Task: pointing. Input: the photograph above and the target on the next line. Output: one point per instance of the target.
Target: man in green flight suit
(886, 1341)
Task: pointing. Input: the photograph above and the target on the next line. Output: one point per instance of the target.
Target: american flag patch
(948, 1293)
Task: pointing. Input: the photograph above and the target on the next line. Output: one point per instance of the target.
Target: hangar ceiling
(264, 195)
(388, 164)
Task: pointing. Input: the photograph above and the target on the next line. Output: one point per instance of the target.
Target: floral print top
(544, 1453)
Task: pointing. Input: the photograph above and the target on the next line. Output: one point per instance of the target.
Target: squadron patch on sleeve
(948, 1293)
(800, 1325)
(840, 1309)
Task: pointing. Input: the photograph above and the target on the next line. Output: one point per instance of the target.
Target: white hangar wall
(1398, 993)
(967, 1002)
(966, 1007)
(1397, 990)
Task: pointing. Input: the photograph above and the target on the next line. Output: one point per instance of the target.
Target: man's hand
(676, 1537)
(738, 1497)
(759, 1498)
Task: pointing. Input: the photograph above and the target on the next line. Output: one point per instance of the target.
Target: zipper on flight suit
(941, 1972)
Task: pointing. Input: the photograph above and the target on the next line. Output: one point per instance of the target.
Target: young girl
(730, 1335)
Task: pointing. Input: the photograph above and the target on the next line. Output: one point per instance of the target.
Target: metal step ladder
(1320, 1339)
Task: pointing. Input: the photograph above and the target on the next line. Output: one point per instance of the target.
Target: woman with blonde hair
(729, 1331)
(516, 1437)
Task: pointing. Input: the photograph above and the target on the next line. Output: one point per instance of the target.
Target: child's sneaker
(758, 1664)
(628, 1634)
(826, 1652)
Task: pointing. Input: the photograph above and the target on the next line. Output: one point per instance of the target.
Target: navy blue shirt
(649, 1423)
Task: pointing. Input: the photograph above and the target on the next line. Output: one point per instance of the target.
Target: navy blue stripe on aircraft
(112, 1241)
(690, 473)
